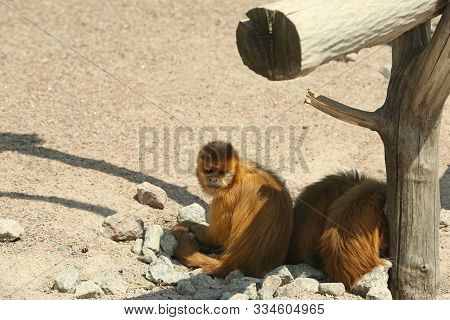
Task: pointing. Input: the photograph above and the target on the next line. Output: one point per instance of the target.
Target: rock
(152, 238)
(185, 288)
(88, 290)
(193, 212)
(269, 286)
(168, 243)
(67, 280)
(377, 277)
(282, 272)
(112, 283)
(376, 293)
(137, 246)
(304, 270)
(10, 230)
(245, 285)
(234, 296)
(297, 287)
(386, 70)
(195, 272)
(308, 284)
(445, 218)
(151, 195)
(236, 274)
(203, 281)
(123, 227)
(208, 294)
(147, 255)
(162, 272)
(332, 289)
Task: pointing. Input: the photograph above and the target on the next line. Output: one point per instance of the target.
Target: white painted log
(291, 38)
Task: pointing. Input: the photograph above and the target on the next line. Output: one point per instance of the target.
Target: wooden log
(291, 38)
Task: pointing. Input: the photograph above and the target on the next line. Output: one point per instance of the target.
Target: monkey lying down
(337, 224)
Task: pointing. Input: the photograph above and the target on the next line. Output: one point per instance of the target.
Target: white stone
(332, 289)
(112, 283)
(298, 287)
(376, 293)
(147, 255)
(269, 286)
(163, 272)
(123, 227)
(151, 195)
(67, 280)
(377, 277)
(282, 272)
(152, 238)
(137, 246)
(193, 212)
(88, 290)
(304, 270)
(10, 230)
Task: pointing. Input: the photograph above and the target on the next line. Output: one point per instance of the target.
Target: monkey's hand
(181, 229)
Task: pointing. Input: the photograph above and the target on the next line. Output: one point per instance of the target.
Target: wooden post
(291, 38)
(408, 124)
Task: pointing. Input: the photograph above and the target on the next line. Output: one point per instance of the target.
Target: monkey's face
(216, 167)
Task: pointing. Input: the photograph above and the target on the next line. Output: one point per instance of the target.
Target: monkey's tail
(355, 232)
(188, 254)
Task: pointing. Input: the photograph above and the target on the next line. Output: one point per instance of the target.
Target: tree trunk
(410, 132)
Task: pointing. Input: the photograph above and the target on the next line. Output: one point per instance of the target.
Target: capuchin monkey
(340, 226)
(250, 217)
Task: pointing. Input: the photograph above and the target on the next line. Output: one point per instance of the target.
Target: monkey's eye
(221, 171)
(208, 170)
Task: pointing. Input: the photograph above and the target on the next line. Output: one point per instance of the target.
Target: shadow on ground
(65, 202)
(31, 144)
(444, 184)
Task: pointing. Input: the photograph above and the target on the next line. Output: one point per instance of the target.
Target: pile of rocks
(110, 283)
(154, 246)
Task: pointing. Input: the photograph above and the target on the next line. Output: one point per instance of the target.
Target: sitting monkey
(340, 226)
(250, 217)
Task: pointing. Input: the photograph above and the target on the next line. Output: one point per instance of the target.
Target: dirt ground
(98, 96)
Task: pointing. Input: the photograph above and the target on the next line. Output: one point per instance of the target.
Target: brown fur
(339, 226)
(250, 216)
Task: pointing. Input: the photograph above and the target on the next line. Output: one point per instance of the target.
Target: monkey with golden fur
(340, 226)
(250, 216)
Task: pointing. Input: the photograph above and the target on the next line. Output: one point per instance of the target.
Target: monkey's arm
(206, 235)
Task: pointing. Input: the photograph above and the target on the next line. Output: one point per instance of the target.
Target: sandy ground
(98, 96)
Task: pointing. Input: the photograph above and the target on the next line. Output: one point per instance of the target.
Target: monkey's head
(217, 163)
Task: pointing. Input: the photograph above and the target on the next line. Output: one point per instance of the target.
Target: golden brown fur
(250, 216)
(339, 226)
